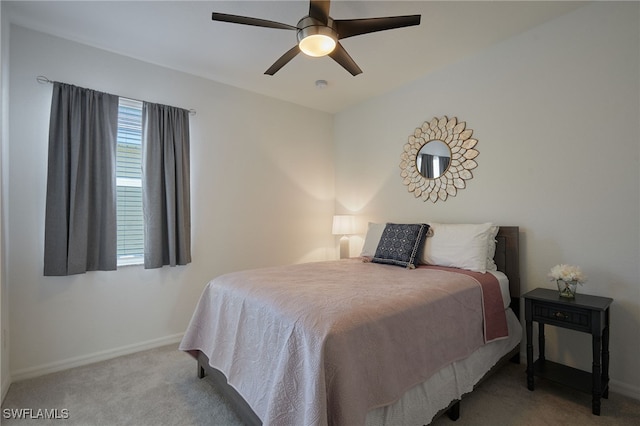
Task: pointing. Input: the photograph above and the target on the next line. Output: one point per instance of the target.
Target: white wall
(5, 376)
(556, 112)
(262, 189)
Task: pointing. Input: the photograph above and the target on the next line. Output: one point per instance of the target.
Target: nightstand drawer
(575, 318)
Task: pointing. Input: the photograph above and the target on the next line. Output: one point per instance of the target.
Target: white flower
(567, 273)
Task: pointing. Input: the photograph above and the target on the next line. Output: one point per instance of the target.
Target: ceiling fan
(318, 33)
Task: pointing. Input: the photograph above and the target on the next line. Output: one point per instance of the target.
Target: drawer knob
(560, 315)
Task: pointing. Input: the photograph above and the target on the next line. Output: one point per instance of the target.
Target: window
(436, 166)
(129, 183)
(91, 233)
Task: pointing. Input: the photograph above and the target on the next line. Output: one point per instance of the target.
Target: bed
(280, 362)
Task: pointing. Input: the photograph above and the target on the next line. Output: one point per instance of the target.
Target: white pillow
(491, 251)
(464, 246)
(372, 239)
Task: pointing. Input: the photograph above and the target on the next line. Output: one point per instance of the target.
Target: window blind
(129, 183)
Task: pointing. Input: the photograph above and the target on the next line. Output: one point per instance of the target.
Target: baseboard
(624, 389)
(41, 370)
(28, 373)
(6, 382)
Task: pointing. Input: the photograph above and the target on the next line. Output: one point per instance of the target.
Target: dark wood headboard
(507, 259)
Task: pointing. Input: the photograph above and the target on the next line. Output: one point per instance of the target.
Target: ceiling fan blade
(353, 27)
(341, 56)
(235, 19)
(283, 60)
(319, 9)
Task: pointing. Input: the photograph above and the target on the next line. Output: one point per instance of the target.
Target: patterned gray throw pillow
(400, 244)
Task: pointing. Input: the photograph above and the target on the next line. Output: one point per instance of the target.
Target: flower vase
(567, 289)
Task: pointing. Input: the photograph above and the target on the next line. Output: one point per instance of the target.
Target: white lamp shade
(343, 225)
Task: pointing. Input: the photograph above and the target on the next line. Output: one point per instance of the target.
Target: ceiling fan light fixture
(317, 40)
(317, 45)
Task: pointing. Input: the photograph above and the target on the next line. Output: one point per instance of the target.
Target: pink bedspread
(323, 343)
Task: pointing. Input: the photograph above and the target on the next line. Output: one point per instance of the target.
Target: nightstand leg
(541, 347)
(529, 333)
(596, 373)
(530, 382)
(605, 356)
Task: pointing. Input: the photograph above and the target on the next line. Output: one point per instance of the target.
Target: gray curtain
(80, 221)
(165, 186)
(444, 163)
(426, 165)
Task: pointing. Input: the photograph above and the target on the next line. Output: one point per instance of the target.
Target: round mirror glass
(433, 159)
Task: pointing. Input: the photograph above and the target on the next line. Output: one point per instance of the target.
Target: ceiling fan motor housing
(310, 27)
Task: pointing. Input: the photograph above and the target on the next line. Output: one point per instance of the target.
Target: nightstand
(585, 313)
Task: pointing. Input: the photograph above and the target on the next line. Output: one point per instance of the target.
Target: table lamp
(344, 225)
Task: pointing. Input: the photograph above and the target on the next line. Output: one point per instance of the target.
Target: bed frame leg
(201, 371)
(454, 411)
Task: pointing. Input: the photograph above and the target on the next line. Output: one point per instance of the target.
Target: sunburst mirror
(438, 159)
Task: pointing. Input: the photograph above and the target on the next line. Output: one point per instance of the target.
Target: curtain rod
(43, 80)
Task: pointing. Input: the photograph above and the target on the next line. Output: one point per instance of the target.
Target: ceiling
(181, 35)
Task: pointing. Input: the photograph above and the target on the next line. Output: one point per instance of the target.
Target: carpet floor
(160, 387)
